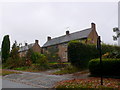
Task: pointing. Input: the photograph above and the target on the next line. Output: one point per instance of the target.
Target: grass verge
(7, 72)
(67, 70)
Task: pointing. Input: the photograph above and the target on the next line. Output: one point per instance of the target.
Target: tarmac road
(10, 84)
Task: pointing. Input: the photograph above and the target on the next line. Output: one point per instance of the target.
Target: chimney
(36, 41)
(26, 44)
(48, 38)
(93, 26)
(67, 33)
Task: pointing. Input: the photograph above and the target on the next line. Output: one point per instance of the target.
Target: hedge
(80, 54)
(109, 67)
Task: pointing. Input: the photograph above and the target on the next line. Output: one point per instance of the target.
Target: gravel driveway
(40, 79)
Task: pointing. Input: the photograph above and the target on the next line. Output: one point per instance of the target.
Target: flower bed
(89, 83)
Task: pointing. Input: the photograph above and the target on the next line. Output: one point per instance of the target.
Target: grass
(67, 70)
(89, 83)
(7, 72)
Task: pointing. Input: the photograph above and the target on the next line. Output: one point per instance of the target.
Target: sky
(27, 21)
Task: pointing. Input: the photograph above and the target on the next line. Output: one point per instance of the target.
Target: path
(41, 79)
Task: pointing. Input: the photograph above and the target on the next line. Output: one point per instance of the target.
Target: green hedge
(79, 54)
(110, 67)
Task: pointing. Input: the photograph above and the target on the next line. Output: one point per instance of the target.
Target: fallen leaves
(89, 83)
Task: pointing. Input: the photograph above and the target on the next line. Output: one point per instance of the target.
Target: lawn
(89, 83)
(7, 72)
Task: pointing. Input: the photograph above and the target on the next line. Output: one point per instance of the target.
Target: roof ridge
(65, 38)
(72, 33)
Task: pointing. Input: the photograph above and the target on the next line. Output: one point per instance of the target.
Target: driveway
(39, 79)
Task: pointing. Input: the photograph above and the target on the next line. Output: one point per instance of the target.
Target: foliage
(80, 54)
(5, 48)
(14, 52)
(30, 55)
(110, 67)
(14, 60)
(113, 54)
(14, 63)
(67, 70)
(39, 59)
(52, 54)
(88, 83)
(116, 29)
(42, 60)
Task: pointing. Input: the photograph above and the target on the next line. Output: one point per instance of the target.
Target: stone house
(88, 35)
(24, 49)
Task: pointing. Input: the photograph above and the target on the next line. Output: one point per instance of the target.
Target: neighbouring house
(88, 35)
(24, 49)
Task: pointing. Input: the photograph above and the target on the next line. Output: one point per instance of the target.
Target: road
(10, 84)
(37, 80)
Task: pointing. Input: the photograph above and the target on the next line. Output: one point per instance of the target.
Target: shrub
(113, 54)
(109, 67)
(14, 63)
(80, 54)
(42, 61)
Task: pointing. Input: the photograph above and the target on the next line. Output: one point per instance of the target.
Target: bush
(110, 67)
(42, 61)
(113, 54)
(80, 54)
(14, 63)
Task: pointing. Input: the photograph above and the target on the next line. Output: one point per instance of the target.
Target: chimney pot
(48, 38)
(67, 33)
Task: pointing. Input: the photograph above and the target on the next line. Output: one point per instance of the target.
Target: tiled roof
(73, 36)
(25, 48)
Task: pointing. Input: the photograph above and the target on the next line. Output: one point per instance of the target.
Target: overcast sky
(27, 21)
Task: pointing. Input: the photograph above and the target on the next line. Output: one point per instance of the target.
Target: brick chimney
(93, 26)
(48, 38)
(36, 41)
(67, 33)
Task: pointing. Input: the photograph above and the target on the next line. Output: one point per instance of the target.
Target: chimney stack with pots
(48, 38)
(67, 32)
(93, 26)
(36, 41)
(26, 44)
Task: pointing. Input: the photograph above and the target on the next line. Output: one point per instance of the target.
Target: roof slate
(25, 48)
(66, 38)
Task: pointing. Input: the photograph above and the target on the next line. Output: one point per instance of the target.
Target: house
(24, 49)
(89, 35)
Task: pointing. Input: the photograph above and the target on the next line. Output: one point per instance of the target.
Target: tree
(14, 52)
(117, 31)
(5, 48)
